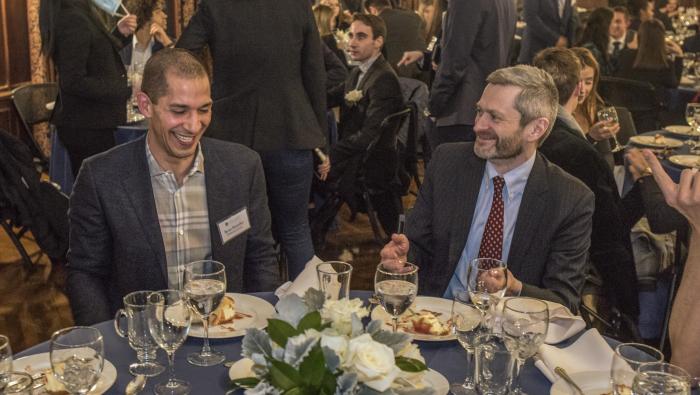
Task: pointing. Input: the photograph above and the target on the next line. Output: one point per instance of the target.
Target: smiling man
(538, 220)
(141, 211)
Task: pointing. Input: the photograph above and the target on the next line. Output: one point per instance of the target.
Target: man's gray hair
(539, 97)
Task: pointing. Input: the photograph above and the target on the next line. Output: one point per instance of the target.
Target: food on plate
(659, 139)
(225, 313)
(53, 386)
(427, 322)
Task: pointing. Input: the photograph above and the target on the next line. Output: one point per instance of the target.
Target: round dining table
(446, 357)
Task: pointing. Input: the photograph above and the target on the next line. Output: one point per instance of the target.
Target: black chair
(31, 102)
(627, 127)
(640, 98)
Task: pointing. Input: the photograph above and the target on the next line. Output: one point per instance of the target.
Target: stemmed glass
(609, 114)
(205, 286)
(524, 324)
(77, 358)
(5, 359)
(169, 324)
(626, 360)
(466, 325)
(486, 282)
(396, 288)
(661, 378)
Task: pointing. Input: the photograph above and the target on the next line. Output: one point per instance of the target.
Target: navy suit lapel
(140, 192)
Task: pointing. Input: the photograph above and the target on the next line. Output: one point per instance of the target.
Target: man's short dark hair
(564, 67)
(374, 22)
(177, 61)
(622, 10)
(635, 6)
(378, 4)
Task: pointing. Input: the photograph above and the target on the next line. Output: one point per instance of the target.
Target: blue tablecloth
(448, 358)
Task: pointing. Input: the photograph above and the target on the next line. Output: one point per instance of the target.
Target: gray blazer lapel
(351, 82)
(219, 199)
(140, 191)
(532, 211)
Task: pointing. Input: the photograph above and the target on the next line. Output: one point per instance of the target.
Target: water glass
(169, 322)
(334, 279)
(486, 281)
(466, 325)
(656, 378)
(77, 358)
(692, 115)
(136, 313)
(5, 358)
(17, 383)
(396, 288)
(626, 360)
(494, 365)
(205, 287)
(609, 114)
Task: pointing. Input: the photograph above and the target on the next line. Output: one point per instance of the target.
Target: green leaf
(410, 364)
(310, 321)
(294, 391)
(245, 382)
(313, 367)
(329, 383)
(284, 376)
(280, 331)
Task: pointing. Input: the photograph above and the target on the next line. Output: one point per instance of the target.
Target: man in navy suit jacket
(550, 23)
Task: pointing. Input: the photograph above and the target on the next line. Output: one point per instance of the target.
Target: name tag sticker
(234, 225)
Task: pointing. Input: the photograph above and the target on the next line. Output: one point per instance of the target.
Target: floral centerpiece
(319, 346)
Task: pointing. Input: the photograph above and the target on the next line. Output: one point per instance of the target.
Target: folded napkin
(308, 278)
(562, 323)
(590, 353)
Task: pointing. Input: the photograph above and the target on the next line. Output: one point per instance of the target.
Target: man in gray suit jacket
(141, 211)
(545, 215)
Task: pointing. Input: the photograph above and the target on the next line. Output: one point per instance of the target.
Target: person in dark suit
(150, 36)
(545, 213)
(640, 11)
(141, 211)
(92, 80)
(621, 36)
(403, 33)
(269, 94)
(550, 23)
(611, 249)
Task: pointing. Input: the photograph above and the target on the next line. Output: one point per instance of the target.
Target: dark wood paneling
(8, 116)
(4, 49)
(18, 39)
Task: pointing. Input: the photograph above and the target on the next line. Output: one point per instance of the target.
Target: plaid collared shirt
(183, 215)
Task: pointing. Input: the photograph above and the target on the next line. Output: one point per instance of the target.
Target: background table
(448, 358)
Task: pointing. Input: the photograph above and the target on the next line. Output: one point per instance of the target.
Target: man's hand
(160, 35)
(495, 279)
(562, 42)
(603, 130)
(684, 196)
(323, 169)
(394, 253)
(127, 25)
(638, 166)
(410, 57)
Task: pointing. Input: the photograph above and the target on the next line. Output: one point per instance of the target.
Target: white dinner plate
(242, 368)
(681, 130)
(591, 383)
(40, 363)
(440, 306)
(651, 141)
(685, 160)
(257, 311)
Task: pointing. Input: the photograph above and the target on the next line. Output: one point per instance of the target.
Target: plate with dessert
(656, 141)
(690, 161)
(427, 319)
(681, 130)
(39, 366)
(235, 314)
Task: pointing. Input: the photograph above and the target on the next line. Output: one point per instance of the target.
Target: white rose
(373, 362)
(339, 314)
(339, 345)
(353, 96)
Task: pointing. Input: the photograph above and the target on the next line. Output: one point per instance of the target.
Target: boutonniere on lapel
(353, 97)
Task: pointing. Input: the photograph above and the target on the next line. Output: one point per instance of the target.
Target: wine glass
(609, 114)
(205, 286)
(486, 282)
(626, 361)
(661, 378)
(77, 358)
(524, 324)
(466, 325)
(396, 288)
(169, 324)
(5, 359)
(692, 116)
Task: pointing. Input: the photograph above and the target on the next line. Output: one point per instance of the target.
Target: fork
(562, 373)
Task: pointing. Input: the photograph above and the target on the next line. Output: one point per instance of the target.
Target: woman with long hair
(93, 87)
(598, 133)
(326, 25)
(595, 38)
(340, 16)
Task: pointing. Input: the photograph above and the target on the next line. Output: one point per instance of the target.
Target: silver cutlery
(562, 373)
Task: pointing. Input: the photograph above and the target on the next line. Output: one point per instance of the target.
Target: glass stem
(515, 382)
(395, 323)
(469, 379)
(171, 369)
(206, 350)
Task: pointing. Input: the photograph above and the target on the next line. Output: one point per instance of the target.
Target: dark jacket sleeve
(535, 25)
(313, 72)
(336, 73)
(197, 34)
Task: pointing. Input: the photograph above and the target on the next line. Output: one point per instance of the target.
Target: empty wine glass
(524, 324)
(609, 114)
(396, 288)
(661, 378)
(626, 360)
(466, 325)
(5, 359)
(77, 358)
(205, 286)
(169, 324)
(486, 282)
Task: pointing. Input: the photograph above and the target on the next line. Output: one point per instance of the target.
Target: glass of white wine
(692, 116)
(661, 378)
(5, 359)
(626, 360)
(77, 358)
(486, 282)
(205, 286)
(466, 325)
(396, 288)
(609, 114)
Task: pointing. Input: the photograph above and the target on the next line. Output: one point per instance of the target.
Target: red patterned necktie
(492, 240)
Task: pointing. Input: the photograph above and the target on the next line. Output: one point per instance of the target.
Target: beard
(506, 147)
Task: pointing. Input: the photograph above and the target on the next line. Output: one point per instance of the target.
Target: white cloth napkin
(562, 323)
(308, 278)
(590, 353)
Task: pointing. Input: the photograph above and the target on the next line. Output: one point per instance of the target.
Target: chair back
(640, 98)
(30, 101)
(627, 128)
